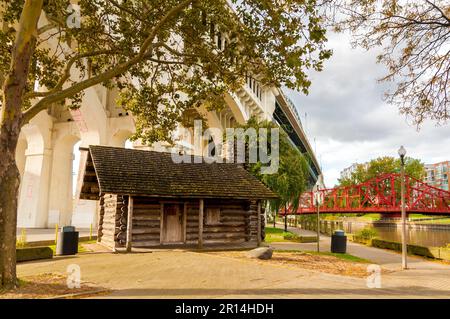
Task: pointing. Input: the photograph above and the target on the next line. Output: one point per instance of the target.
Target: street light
(318, 202)
(402, 153)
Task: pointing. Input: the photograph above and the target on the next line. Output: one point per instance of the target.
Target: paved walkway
(421, 273)
(41, 234)
(387, 258)
(184, 274)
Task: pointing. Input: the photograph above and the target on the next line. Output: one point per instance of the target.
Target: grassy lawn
(435, 220)
(275, 235)
(347, 257)
(413, 217)
(81, 249)
(279, 235)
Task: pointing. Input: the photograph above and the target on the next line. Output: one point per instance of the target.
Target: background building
(438, 174)
(347, 172)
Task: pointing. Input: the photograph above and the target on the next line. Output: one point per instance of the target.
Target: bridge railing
(380, 194)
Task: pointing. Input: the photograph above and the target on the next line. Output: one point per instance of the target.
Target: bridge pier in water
(392, 215)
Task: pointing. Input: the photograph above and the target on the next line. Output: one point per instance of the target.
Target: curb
(80, 294)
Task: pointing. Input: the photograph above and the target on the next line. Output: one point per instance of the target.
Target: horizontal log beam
(146, 230)
(145, 243)
(146, 223)
(145, 237)
(147, 218)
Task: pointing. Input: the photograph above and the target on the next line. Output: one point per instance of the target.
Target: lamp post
(318, 201)
(318, 222)
(402, 153)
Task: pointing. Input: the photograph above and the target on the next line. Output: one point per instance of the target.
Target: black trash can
(339, 242)
(67, 243)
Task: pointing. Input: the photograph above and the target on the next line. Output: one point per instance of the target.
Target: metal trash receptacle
(339, 242)
(67, 243)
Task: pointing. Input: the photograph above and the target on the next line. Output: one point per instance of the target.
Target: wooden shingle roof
(149, 173)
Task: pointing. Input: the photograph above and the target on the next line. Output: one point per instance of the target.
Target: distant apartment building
(438, 175)
(347, 172)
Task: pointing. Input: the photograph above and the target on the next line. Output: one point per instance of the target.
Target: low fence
(327, 227)
(442, 253)
(41, 243)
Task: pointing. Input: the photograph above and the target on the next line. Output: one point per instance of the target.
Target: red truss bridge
(378, 195)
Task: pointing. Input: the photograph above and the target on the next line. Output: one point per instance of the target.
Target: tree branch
(109, 74)
(440, 11)
(66, 73)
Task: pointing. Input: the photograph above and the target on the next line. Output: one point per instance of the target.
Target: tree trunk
(10, 124)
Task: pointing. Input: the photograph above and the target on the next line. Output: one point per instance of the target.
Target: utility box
(339, 242)
(67, 243)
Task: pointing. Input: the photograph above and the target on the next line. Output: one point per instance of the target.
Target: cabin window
(212, 216)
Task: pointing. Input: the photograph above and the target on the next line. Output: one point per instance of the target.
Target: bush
(385, 244)
(34, 253)
(291, 236)
(367, 233)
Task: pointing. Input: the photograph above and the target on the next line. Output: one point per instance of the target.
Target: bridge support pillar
(391, 215)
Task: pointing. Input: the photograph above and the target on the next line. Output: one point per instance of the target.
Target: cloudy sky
(349, 120)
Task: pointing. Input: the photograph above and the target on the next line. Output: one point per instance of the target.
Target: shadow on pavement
(404, 292)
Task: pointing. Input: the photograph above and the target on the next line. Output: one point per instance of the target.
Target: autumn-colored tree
(165, 57)
(414, 37)
(383, 165)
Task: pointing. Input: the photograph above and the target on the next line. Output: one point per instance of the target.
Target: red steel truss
(381, 195)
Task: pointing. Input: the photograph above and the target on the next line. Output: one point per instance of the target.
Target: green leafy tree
(379, 166)
(383, 165)
(164, 56)
(291, 179)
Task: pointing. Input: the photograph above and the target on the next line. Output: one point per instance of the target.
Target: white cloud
(350, 121)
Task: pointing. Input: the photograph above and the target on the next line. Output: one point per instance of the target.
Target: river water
(421, 237)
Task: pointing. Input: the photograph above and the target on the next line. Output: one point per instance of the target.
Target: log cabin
(148, 200)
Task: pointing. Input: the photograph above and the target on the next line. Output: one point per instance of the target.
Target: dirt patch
(322, 263)
(47, 286)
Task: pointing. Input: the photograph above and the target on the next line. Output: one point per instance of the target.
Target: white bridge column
(61, 185)
(33, 196)
(92, 122)
(33, 199)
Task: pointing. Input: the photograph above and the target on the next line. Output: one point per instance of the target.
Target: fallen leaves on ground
(46, 285)
(322, 263)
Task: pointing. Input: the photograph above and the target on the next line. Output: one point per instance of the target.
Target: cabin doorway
(172, 231)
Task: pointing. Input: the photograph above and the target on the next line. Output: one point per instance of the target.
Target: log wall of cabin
(101, 214)
(113, 220)
(107, 225)
(238, 222)
(146, 222)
